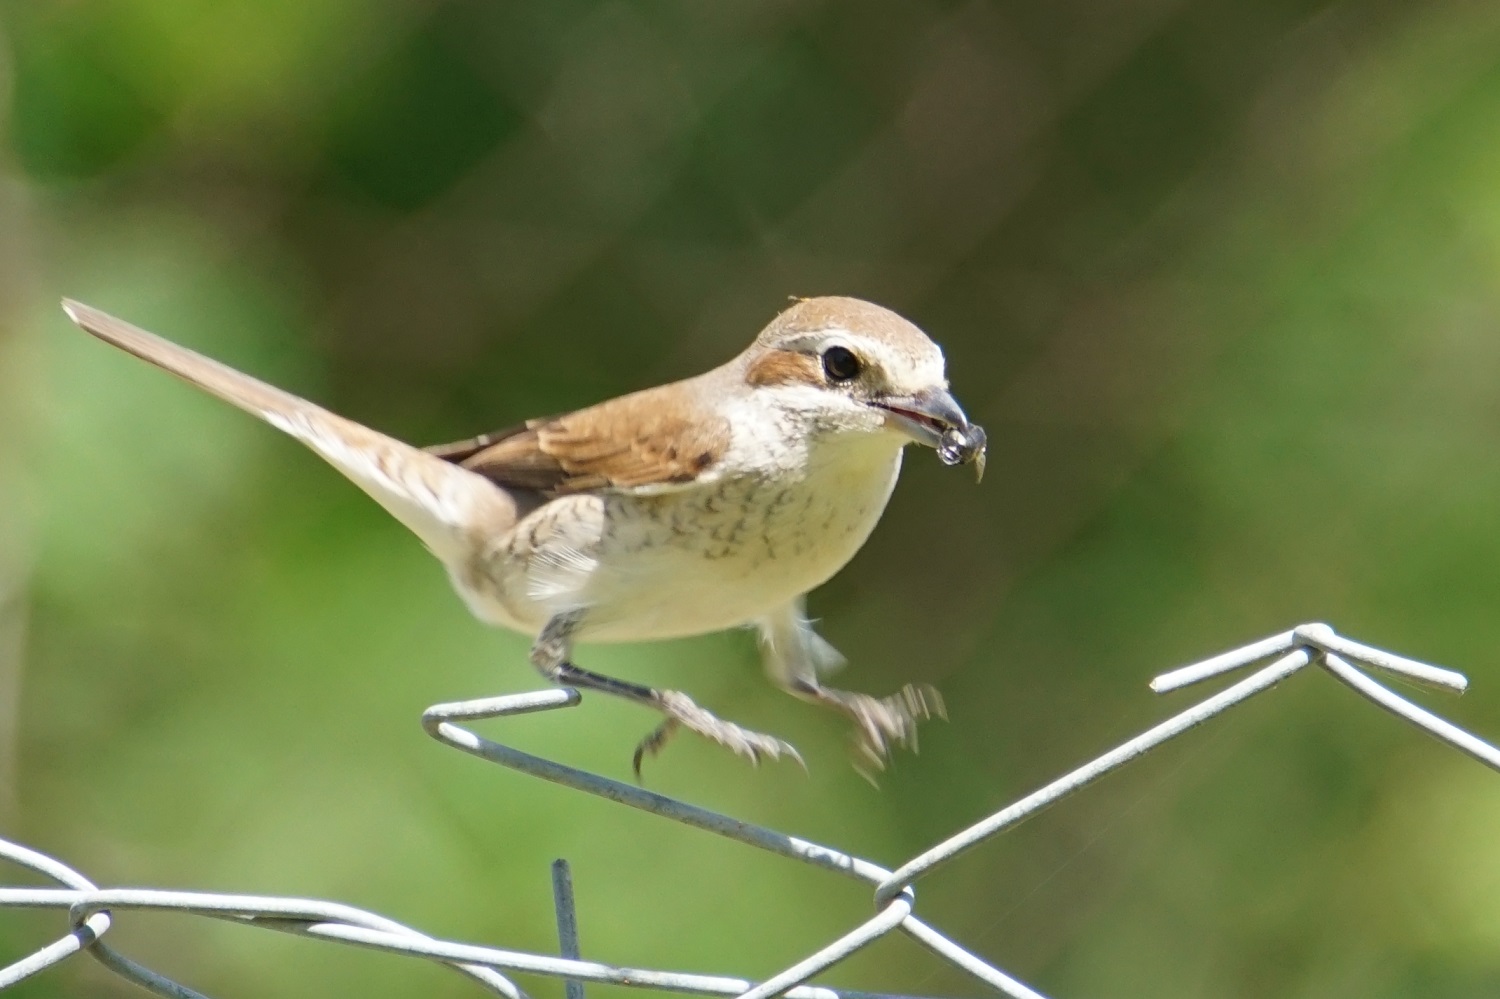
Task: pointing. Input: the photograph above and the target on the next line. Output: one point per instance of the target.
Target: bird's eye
(841, 364)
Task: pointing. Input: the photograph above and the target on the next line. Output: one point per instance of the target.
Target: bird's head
(856, 367)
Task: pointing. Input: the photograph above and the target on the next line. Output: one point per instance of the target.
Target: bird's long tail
(443, 504)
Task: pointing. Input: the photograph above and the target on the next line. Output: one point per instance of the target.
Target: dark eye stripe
(784, 367)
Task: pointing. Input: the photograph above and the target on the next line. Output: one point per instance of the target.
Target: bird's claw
(682, 712)
(881, 722)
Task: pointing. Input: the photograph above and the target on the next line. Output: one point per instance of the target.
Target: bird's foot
(682, 713)
(881, 722)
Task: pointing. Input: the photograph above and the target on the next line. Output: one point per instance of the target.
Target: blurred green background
(1222, 280)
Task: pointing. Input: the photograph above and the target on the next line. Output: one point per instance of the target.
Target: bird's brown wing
(639, 441)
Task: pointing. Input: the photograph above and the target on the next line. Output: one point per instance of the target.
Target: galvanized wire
(91, 909)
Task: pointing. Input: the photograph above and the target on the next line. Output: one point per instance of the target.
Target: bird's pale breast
(696, 560)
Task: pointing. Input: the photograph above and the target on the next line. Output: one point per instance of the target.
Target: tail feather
(443, 504)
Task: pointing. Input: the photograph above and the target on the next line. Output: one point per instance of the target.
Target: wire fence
(91, 909)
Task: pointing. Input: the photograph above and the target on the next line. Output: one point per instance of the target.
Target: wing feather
(644, 441)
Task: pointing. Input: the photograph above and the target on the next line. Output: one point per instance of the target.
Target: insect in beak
(934, 418)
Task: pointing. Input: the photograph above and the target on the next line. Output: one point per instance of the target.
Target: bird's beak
(934, 418)
(925, 416)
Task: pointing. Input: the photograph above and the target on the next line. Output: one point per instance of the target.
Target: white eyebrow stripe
(809, 342)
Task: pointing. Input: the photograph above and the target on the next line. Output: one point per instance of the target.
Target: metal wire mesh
(91, 909)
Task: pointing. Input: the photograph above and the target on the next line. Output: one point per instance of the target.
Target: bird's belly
(684, 562)
(695, 562)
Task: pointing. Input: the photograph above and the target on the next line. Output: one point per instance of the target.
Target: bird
(696, 506)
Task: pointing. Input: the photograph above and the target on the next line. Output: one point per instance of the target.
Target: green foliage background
(1222, 280)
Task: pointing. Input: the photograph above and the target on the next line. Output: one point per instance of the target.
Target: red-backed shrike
(705, 504)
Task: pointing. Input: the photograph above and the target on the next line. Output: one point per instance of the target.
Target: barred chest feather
(689, 561)
(725, 555)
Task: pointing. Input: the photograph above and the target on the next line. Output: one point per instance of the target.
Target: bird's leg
(550, 652)
(879, 722)
(796, 657)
